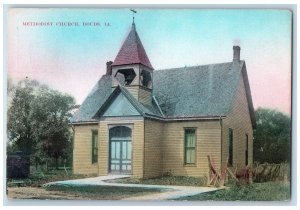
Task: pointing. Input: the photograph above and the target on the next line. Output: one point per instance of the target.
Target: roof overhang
(84, 122)
(183, 118)
(167, 119)
(248, 95)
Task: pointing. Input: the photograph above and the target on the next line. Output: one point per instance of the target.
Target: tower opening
(125, 76)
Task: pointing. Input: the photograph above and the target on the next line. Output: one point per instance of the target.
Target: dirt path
(40, 193)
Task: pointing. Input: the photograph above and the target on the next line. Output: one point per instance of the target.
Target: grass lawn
(167, 180)
(267, 191)
(95, 192)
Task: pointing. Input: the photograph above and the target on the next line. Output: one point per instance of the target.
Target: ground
(39, 193)
(125, 188)
(99, 188)
(105, 193)
(266, 191)
(269, 191)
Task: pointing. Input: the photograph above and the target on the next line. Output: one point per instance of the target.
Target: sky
(72, 58)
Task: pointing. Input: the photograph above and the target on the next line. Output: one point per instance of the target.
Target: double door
(120, 156)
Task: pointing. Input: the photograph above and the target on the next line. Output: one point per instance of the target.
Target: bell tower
(132, 68)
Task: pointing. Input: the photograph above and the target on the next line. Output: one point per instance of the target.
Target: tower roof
(132, 51)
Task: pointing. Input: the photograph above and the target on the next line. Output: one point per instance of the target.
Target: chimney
(109, 68)
(236, 53)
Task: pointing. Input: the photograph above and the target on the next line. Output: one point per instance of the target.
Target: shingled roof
(198, 91)
(98, 95)
(132, 51)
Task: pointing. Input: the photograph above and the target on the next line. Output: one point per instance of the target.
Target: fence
(271, 172)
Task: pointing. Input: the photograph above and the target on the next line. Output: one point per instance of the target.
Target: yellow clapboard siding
(239, 120)
(145, 96)
(153, 148)
(208, 143)
(134, 90)
(82, 151)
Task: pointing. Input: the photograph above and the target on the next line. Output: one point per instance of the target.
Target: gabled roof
(150, 110)
(100, 98)
(120, 106)
(200, 91)
(181, 93)
(132, 51)
(206, 90)
(98, 95)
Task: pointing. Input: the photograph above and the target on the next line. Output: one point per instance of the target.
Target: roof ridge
(157, 104)
(181, 68)
(137, 45)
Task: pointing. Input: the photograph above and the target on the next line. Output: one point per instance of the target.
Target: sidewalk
(169, 192)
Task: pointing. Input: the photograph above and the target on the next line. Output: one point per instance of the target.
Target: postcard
(148, 104)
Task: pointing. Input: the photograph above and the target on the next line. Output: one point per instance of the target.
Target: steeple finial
(133, 11)
(132, 50)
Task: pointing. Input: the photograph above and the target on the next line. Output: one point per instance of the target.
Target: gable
(120, 106)
(240, 107)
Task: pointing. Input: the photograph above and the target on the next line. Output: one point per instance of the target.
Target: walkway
(169, 192)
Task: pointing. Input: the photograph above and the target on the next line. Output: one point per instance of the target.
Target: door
(120, 150)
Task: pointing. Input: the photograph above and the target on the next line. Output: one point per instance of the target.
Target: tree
(38, 120)
(20, 125)
(52, 114)
(272, 136)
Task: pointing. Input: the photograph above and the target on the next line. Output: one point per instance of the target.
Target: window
(94, 146)
(125, 76)
(146, 78)
(246, 151)
(230, 146)
(190, 146)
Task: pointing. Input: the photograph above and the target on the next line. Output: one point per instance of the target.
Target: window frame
(95, 148)
(230, 146)
(247, 150)
(185, 147)
(143, 77)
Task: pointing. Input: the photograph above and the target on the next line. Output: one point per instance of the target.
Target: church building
(149, 123)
